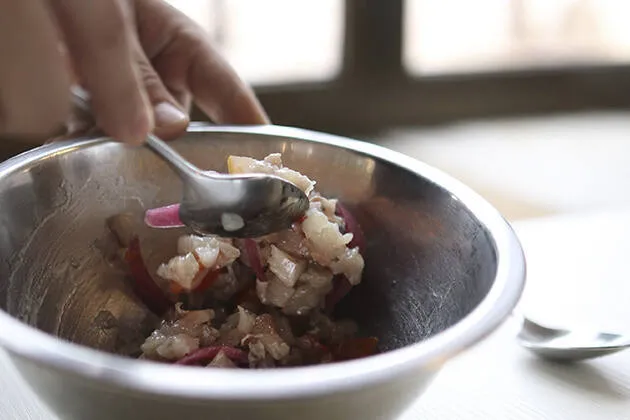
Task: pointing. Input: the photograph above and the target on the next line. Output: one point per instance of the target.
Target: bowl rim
(50, 352)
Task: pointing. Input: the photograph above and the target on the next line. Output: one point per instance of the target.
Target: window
(357, 67)
(461, 36)
(274, 41)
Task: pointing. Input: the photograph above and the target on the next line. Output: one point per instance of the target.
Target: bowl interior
(429, 261)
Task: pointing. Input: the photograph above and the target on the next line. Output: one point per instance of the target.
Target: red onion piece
(341, 287)
(206, 354)
(144, 286)
(163, 217)
(254, 258)
(352, 226)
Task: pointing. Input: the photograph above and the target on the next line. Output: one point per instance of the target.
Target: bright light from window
(454, 36)
(274, 41)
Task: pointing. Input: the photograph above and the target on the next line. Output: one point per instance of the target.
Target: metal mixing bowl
(443, 270)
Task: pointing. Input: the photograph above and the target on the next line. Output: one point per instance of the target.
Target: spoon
(239, 206)
(567, 345)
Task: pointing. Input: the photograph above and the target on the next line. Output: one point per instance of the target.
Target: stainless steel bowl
(443, 270)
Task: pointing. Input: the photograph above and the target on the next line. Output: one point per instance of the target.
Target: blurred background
(526, 101)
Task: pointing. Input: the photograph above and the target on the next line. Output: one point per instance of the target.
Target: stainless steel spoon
(567, 345)
(248, 205)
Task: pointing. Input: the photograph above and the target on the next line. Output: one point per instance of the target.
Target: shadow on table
(584, 377)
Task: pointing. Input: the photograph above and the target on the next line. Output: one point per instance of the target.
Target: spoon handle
(181, 166)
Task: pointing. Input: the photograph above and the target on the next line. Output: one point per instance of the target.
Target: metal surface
(443, 270)
(262, 204)
(569, 346)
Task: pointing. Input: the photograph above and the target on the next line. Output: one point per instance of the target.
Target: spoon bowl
(240, 206)
(237, 206)
(568, 345)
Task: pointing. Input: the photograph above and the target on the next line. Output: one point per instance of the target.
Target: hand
(142, 61)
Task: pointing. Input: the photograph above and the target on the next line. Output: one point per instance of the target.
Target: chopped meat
(182, 269)
(221, 360)
(180, 336)
(350, 264)
(199, 255)
(325, 241)
(169, 347)
(272, 165)
(286, 268)
(274, 292)
(271, 297)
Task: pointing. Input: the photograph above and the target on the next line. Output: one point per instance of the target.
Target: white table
(578, 274)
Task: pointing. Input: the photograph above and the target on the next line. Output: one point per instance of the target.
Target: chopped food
(163, 217)
(258, 302)
(143, 285)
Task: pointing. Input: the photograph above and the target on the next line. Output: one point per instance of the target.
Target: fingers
(33, 102)
(171, 118)
(182, 55)
(219, 91)
(99, 37)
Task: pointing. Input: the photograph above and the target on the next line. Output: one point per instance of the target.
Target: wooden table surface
(578, 275)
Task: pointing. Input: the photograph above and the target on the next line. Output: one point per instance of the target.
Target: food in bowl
(258, 302)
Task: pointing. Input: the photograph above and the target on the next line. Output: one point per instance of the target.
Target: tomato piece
(175, 288)
(144, 286)
(313, 351)
(207, 281)
(356, 348)
(315, 343)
